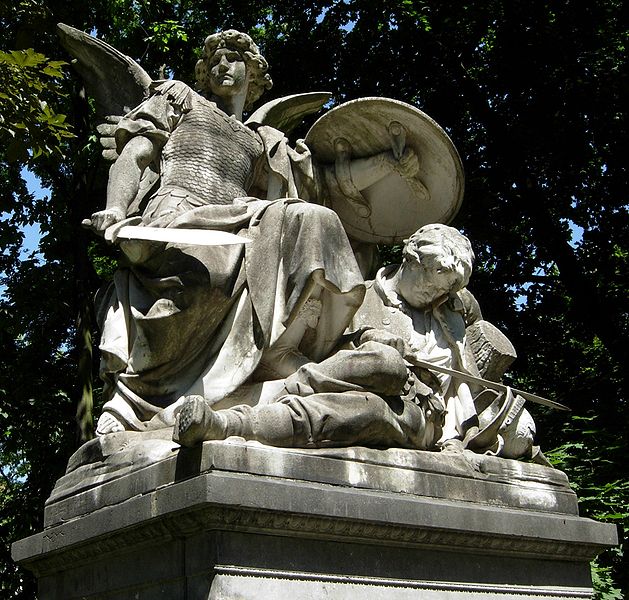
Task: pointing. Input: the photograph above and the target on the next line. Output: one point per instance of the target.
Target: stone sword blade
(191, 237)
(499, 387)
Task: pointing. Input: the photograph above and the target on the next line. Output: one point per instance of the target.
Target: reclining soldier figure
(367, 394)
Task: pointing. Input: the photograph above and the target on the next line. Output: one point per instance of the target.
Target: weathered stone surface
(463, 477)
(235, 519)
(493, 351)
(396, 205)
(271, 340)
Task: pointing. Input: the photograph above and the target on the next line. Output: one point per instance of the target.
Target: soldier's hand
(103, 219)
(387, 338)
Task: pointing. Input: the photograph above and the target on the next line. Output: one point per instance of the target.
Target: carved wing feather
(287, 112)
(114, 80)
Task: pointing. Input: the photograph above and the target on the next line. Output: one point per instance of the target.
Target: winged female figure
(181, 319)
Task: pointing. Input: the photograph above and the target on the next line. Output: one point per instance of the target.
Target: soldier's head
(231, 64)
(437, 262)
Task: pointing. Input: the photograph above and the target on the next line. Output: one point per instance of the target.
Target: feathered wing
(288, 112)
(115, 81)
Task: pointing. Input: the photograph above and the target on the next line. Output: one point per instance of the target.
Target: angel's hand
(107, 131)
(103, 219)
(408, 164)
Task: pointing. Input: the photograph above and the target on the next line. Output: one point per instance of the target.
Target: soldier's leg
(354, 418)
(319, 420)
(197, 422)
(372, 367)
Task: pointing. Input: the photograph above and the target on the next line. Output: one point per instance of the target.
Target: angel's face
(228, 73)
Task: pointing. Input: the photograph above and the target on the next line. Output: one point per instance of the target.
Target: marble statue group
(285, 413)
(248, 301)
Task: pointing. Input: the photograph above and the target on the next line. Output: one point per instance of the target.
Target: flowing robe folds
(181, 319)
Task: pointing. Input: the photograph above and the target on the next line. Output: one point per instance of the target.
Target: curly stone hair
(245, 46)
(442, 247)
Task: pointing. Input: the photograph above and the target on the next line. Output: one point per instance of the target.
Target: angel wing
(115, 81)
(288, 112)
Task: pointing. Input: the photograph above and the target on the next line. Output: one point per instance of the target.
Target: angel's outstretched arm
(366, 171)
(124, 182)
(363, 172)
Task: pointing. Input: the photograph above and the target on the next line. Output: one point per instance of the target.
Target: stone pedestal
(236, 519)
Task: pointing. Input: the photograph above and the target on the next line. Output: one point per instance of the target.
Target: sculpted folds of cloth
(240, 306)
(184, 319)
(366, 393)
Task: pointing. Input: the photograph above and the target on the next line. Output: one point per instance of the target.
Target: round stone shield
(397, 206)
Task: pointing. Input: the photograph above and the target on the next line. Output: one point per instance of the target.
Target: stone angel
(184, 316)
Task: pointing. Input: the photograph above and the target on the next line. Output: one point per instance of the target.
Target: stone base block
(236, 520)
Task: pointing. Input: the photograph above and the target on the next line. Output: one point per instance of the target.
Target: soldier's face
(228, 73)
(421, 284)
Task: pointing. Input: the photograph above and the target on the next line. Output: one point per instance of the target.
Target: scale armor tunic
(211, 154)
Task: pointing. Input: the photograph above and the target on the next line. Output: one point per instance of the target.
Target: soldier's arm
(471, 308)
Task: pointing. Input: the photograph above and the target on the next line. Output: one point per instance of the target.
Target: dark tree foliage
(533, 94)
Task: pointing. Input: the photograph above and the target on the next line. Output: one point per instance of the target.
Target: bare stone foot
(197, 422)
(108, 423)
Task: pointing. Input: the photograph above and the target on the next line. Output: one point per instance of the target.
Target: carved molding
(222, 518)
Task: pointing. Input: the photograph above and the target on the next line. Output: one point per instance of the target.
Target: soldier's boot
(198, 422)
